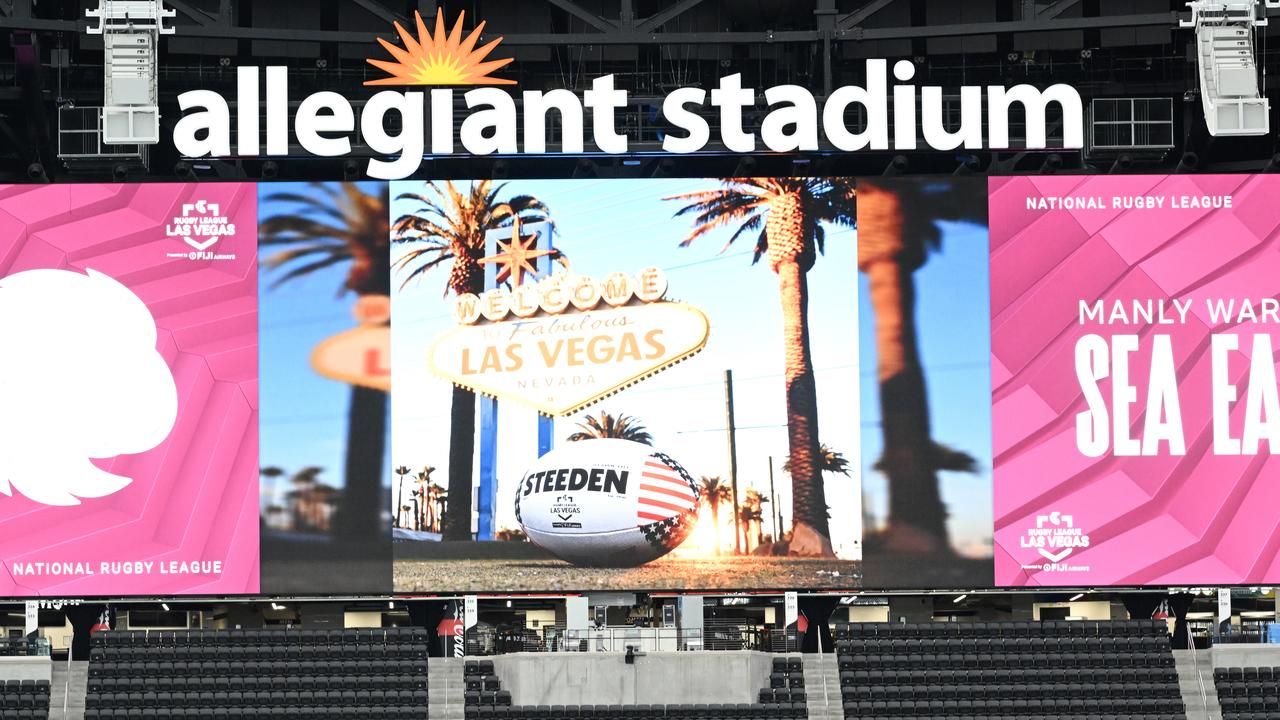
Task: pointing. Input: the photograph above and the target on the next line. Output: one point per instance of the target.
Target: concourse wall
(659, 678)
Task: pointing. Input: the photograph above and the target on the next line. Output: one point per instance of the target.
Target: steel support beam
(1056, 9)
(654, 22)
(1164, 19)
(200, 16)
(857, 17)
(595, 21)
(381, 11)
(619, 37)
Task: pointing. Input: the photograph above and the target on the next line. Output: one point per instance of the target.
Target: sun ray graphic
(440, 58)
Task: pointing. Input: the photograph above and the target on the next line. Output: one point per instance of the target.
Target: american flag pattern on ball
(664, 492)
(607, 503)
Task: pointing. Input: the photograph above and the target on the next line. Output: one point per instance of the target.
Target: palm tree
(754, 501)
(748, 515)
(449, 226)
(423, 479)
(402, 470)
(714, 493)
(897, 230)
(606, 425)
(437, 496)
(829, 461)
(303, 481)
(341, 224)
(272, 474)
(789, 214)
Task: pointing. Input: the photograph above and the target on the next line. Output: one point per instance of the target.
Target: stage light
(35, 171)
(1077, 597)
(960, 598)
(1225, 48)
(270, 170)
(165, 606)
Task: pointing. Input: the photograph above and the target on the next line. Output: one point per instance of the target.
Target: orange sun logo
(440, 58)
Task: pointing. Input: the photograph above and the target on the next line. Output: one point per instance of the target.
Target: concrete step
(1195, 680)
(822, 687)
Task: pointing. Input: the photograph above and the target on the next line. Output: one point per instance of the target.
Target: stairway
(822, 687)
(68, 688)
(1198, 707)
(445, 686)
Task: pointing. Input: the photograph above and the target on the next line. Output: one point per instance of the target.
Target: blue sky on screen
(303, 416)
(953, 315)
(626, 225)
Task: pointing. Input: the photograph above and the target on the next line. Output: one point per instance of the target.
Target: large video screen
(326, 381)
(631, 384)
(128, 390)
(924, 338)
(1135, 325)
(813, 384)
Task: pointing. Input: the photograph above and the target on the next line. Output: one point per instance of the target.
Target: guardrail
(489, 641)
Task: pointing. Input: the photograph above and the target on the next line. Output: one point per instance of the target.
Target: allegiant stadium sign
(325, 123)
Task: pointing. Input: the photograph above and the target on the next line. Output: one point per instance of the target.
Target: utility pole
(733, 459)
(773, 504)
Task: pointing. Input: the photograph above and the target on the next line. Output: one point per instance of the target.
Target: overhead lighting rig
(1226, 48)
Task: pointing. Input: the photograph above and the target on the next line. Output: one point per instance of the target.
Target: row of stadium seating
(1008, 691)
(342, 712)
(1129, 667)
(1012, 645)
(307, 638)
(1046, 629)
(24, 700)
(11, 647)
(1248, 693)
(1022, 707)
(1018, 676)
(300, 681)
(270, 674)
(238, 698)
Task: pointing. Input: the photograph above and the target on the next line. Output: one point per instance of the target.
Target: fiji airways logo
(1055, 537)
(201, 226)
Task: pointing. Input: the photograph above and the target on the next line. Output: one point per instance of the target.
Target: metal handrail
(1195, 663)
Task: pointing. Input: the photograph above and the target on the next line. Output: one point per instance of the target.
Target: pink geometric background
(1193, 519)
(194, 497)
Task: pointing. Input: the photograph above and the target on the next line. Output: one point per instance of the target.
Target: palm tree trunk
(715, 522)
(399, 503)
(917, 517)
(362, 504)
(811, 535)
(462, 446)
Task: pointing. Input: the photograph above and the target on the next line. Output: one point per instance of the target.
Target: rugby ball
(607, 503)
